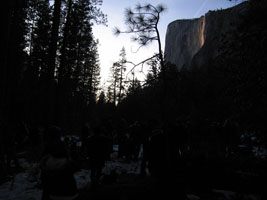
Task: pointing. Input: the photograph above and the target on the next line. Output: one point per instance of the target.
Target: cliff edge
(195, 42)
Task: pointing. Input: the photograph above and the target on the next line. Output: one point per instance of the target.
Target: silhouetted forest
(51, 69)
(203, 128)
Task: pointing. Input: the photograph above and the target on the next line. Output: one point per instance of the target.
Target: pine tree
(38, 36)
(142, 22)
(14, 43)
(39, 22)
(85, 71)
(54, 56)
(114, 82)
(110, 98)
(122, 69)
(118, 77)
(79, 70)
(134, 84)
(101, 98)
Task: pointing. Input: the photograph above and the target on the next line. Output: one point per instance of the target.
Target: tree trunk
(120, 89)
(50, 118)
(62, 90)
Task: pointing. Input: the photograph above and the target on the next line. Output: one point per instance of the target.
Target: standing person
(99, 149)
(165, 161)
(12, 138)
(57, 170)
(85, 135)
(177, 140)
(145, 133)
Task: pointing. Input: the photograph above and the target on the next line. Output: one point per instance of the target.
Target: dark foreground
(196, 183)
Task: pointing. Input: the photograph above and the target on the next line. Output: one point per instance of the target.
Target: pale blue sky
(111, 45)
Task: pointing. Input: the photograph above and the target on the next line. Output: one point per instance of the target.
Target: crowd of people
(162, 149)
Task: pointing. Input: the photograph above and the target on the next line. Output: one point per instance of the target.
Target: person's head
(85, 132)
(53, 143)
(52, 133)
(57, 150)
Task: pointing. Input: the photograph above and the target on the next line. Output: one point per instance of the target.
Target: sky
(110, 45)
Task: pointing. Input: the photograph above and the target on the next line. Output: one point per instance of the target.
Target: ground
(126, 184)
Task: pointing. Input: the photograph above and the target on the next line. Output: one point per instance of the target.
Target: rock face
(184, 39)
(194, 42)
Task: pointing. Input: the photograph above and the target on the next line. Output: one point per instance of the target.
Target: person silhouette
(99, 147)
(57, 170)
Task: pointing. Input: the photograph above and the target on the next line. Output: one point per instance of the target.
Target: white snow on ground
(122, 168)
(20, 189)
(24, 185)
(82, 178)
(230, 195)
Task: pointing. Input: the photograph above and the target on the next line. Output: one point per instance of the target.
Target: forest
(211, 120)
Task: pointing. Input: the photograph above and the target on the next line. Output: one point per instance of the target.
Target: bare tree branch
(140, 63)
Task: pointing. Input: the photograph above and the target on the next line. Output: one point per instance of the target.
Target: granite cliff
(194, 42)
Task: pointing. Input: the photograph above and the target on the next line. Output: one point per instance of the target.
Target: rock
(184, 39)
(195, 42)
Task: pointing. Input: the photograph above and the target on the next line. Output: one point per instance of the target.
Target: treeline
(230, 88)
(50, 72)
